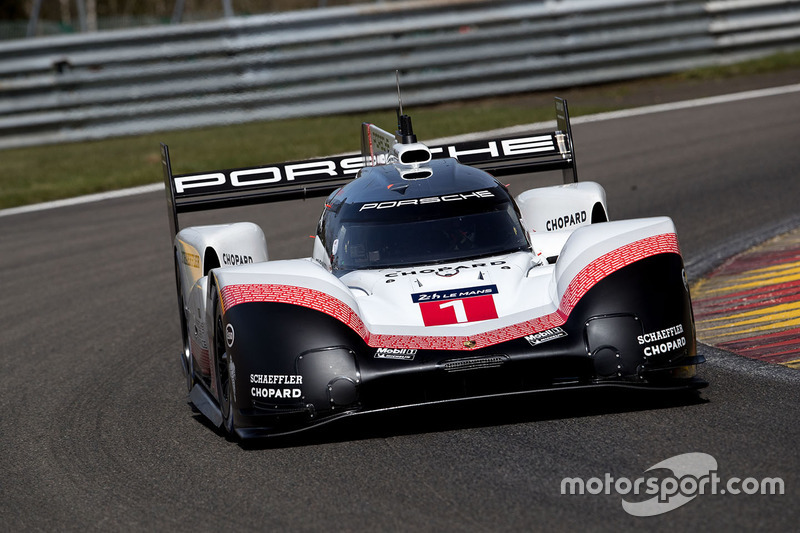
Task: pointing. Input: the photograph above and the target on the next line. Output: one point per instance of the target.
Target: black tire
(187, 362)
(222, 369)
(599, 214)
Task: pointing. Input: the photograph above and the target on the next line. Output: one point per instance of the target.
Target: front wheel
(224, 368)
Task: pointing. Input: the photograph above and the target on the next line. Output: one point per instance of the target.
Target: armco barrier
(89, 86)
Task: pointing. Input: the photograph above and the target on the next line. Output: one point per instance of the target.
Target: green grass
(773, 63)
(46, 173)
(53, 172)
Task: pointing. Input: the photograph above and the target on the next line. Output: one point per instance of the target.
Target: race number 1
(458, 307)
(458, 311)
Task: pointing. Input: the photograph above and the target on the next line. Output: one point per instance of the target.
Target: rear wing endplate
(320, 177)
(521, 155)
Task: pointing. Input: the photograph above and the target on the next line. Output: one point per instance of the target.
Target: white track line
(626, 113)
(524, 128)
(82, 199)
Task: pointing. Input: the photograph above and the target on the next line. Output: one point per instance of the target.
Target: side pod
(627, 292)
(291, 364)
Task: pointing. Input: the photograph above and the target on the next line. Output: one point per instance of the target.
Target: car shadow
(483, 412)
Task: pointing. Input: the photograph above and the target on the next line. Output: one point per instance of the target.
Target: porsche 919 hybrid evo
(427, 283)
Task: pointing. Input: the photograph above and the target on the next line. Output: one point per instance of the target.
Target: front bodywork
(305, 347)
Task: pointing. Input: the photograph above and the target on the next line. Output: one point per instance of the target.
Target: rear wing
(320, 177)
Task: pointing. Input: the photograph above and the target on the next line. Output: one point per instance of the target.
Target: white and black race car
(427, 283)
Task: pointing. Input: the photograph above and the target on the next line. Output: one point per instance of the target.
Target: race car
(427, 283)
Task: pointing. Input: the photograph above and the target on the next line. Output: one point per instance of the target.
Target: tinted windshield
(381, 244)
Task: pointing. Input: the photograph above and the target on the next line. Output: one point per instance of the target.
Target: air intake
(473, 363)
(416, 174)
(412, 154)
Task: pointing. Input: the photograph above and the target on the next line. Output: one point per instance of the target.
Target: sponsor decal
(426, 201)
(456, 306)
(277, 385)
(264, 392)
(663, 334)
(445, 270)
(664, 347)
(404, 354)
(344, 166)
(236, 259)
(573, 219)
(381, 143)
(276, 379)
(473, 309)
(672, 337)
(453, 294)
(190, 259)
(272, 175)
(544, 336)
(481, 150)
(229, 335)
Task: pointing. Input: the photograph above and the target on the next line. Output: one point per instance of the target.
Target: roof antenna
(399, 98)
(405, 130)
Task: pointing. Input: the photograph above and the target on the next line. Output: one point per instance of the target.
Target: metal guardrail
(335, 60)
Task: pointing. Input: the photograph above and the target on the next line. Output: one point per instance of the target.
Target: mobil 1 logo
(401, 354)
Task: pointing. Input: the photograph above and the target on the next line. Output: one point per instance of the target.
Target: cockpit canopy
(381, 220)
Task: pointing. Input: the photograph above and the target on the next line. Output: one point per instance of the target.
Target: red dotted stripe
(589, 276)
(319, 301)
(609, 263)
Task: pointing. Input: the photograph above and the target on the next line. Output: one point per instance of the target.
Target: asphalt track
(96, 433)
